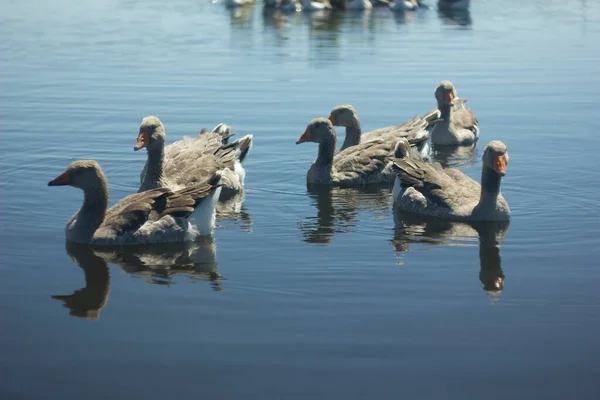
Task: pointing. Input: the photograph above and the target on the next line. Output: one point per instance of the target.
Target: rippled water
(300, 294)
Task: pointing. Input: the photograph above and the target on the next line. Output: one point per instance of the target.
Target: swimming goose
(447, 193)
(191, 160)
(415, 129)
(356, 166)
(458, 124)
(154, 216)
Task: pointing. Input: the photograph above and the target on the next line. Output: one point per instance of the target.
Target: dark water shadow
(338, 210)
(417, 229)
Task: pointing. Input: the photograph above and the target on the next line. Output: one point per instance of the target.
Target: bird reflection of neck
(491, 274)
(87, 302)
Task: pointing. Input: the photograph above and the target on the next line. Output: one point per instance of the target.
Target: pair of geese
(181, 184)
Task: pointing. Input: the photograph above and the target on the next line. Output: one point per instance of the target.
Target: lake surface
(300, 294)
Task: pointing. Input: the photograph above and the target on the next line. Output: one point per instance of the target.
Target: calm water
(300, 295)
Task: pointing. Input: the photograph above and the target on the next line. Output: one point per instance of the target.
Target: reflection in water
(455, 156)
(411, 229)
(232, 208)
(404, 17)
(338, 210)
(241, 16)
(455, 17)
(159, 263)
(87, 302)
(324, 35)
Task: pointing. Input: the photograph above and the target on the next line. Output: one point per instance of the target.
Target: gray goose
(447, 193)
(191, 160)
(153, 216)
(458, 125)
(358, 165)
(415, 129)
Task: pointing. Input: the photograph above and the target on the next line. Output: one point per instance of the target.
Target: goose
(358, 165)
(447, 193)
(454, 4)
(191, 160)
(415, 129)
(154, 216)
(458, 125)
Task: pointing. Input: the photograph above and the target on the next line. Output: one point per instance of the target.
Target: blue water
(300, 294)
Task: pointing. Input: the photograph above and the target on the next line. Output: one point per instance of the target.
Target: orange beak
(332, 119)
(61, 180)
(500, 165)
(142, 141)
(306, 137)
(449, 97)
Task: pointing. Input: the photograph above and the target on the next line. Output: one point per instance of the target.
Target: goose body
(358, 165)
(414, 130)
(153, 216)
(186, 162)
(447, 193)
(458, 125)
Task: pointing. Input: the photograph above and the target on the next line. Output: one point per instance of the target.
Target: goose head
(495, 157)
(83, 174)
(445, 94)
(318, 130)
(343, 115)
(152, 134)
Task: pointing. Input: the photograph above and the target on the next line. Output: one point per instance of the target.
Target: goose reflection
(455, 156)
(87, 302)
(412, 229)
(240, 14)
(338, 210)
(159, 264)
(232, 208)
(458, 17)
